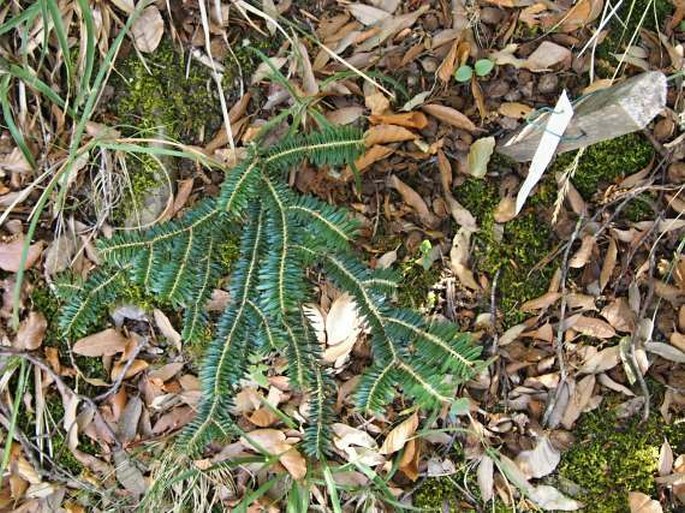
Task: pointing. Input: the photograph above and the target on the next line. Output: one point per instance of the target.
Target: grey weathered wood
(602, 115)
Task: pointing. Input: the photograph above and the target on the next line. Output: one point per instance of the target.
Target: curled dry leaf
(10, 255)
(602, 361)
(641, 503)
(399, 435)
(485, 475)
(105, 343)
(579, 400)
(406, 119)
(450, 116)
(514, 110)
(479, 156)
(539, 462)
(665, 351)
(31, 332)
(384, 134)
(166, 329)
(590, 327)
(367, 14)
(148, 29)
(136, 367)
(459, 258)
(415, 201)
(541, 303)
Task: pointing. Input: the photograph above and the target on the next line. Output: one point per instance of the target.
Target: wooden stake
(599, 116)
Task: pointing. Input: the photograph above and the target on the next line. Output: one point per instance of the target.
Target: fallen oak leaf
(31, 332)
(540, 461)
(11, 252)
(384, 134)
(416, 120)
(450, 116)
(148, 29)
(105, 343)
(398, 437)
(602, 361)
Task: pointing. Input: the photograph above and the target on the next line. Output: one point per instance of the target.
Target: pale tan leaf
(269, 440)
(505, 210)
(125, 5)
(148, 29)
(540, 461)
(370, 157)
(514, 110)
(409, 463)
(70, 403)
(264, 70)
(166, 372)
(551, 499)
(406, 119)
(602, 361)
(345, 115)
(584, 253)
(547, 55)
(128, 474)
(384, 134)
(459, 258)
(293, 462)
(485, 476)
(10, 255)
(665, 459)
(375, 100)
(541, 303)
(31, 332)
(136, 367)
(450, 116)
(665, 351)
(399, 435)
(511, 334)
(415, 201)
(105, 343)
(619, 314)
(609, 264)
(166, 329)
(641, 503)
(590, 326)
(263, 417)
(367, 14)
(479, 156)
(582, 393)
(446, 68)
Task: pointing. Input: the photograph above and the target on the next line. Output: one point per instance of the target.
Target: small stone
(548, 83)
(663, 130)
(491, 15)
(429, 65)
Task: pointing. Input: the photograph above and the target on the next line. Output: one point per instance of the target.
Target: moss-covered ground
(612, 457)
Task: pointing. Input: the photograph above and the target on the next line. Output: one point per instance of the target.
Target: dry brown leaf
(367, 14)
(546, 55)
(409, 463)
(459, 258)
(579, 400)
(608, 265)
(263, 417)
(580, 15)
(136, 367)
(384, 134)
(406, 119)
(392, 25)
(485, 476)
(375, 100)
(128, 474)
(665, 459)
(345, 115)
(479, 156)
(166, 329)
(293, 462)
(550, 499)
(148, 29)
(590, 326)
(505, 210)
(446, 68)
(641, 503)
(450, 116)
(105, 343)
(31, 332)
(398, 437)
(541, 303)
(602, 361)
(10, 255)
(514, 110)
(370, 157)
(415, 201)
(665, 351)
(540, 461)
(166, 372)
(619, 314)
(584, 253)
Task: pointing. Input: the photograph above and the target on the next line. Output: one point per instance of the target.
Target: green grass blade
(9, 121)
(84, 89)
(18, 394)
(28, 15)
(62, 40)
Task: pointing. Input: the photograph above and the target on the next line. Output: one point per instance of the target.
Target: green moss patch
(605, 162)
(515, 252)
(612, 457)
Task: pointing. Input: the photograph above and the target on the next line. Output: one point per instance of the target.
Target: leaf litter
(613, 318)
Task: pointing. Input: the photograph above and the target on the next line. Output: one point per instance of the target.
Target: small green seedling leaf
(463, 73)
(483, 67)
